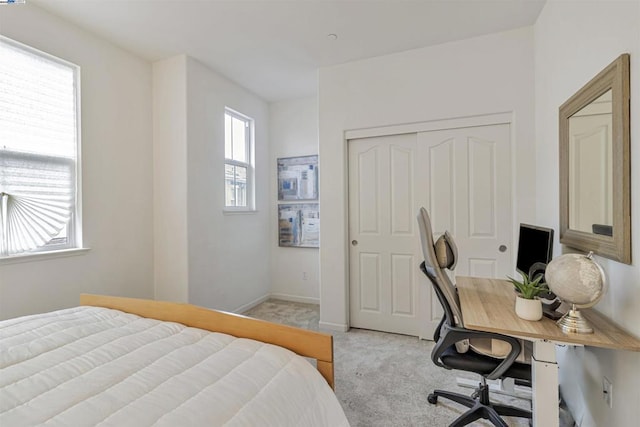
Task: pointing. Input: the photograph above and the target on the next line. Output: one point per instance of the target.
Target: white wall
(171, 252)
(573, 42)
(204, 255)
(117, 186)
(483, 75)
(228, 253)
(293, 132)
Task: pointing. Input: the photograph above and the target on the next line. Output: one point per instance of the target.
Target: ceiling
(274, 48)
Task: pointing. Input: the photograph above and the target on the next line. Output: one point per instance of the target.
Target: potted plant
(528, 306)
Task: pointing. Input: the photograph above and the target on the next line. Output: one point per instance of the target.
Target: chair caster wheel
(432, 398)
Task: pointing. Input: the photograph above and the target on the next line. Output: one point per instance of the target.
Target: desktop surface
(489, 305)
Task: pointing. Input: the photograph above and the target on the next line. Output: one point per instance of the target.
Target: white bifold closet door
(463, 177)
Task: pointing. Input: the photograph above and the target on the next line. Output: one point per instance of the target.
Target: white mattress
(95, 366)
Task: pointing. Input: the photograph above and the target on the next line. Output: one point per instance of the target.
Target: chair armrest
(436, 333)
(451, 335)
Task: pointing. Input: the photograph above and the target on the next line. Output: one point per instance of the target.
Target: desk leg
(545, 385)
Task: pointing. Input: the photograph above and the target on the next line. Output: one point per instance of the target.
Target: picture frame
(298, 178)
(299, 225)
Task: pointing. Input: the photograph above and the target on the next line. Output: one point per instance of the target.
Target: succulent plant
(529, 289)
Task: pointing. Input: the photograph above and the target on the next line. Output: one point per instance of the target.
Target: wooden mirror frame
(617, 246)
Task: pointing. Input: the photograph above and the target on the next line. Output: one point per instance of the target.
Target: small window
(39, 146)
(238, 170)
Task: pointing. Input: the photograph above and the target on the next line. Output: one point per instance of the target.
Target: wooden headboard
(306, 343)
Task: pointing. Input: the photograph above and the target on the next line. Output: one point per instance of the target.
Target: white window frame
(249, 149)
(74, 227)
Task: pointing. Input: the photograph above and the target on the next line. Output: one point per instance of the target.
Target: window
(39, 151)
(238, 167)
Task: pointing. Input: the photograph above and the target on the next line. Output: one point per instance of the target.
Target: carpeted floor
(383, 379)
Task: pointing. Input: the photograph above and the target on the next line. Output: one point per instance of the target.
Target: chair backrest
(434, 268)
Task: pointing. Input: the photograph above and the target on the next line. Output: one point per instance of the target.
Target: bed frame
(306, 343)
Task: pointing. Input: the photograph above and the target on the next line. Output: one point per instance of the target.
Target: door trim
(452, 123)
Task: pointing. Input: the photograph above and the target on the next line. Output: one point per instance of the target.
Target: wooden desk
(488, 305)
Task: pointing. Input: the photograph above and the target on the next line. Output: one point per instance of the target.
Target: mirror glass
(595, 167)
(590, 167)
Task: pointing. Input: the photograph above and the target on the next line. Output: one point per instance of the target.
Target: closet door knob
(354, 243)
(502, 248)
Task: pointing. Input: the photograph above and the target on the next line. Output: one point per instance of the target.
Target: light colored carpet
(383, 379)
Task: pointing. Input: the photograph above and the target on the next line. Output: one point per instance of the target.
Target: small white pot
(528, 309)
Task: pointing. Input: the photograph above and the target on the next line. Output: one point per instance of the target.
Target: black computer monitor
(535, 244)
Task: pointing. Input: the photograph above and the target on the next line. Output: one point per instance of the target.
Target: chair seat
(484, 365)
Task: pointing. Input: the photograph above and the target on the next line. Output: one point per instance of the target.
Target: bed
(128, 362)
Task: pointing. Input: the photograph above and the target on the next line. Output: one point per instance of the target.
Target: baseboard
(323, 325)
(249, 306)
(333, 326)
(295, 298)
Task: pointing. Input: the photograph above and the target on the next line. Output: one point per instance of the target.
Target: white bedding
(95, 366)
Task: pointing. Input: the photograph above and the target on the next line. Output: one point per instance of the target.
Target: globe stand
(573, 322)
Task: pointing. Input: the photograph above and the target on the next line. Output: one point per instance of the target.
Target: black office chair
(454, 344)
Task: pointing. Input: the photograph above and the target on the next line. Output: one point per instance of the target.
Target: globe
(578, 280)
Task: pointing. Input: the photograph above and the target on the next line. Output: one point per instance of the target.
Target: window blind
(38, 147)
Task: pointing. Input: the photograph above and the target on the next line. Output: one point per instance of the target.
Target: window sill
(239, 211)
(40, 256)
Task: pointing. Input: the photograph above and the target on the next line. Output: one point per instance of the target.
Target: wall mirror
(595, 166)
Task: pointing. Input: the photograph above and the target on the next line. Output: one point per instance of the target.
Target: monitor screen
(534, 245)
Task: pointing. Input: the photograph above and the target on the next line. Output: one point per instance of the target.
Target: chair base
(480, 407)
(505, 386)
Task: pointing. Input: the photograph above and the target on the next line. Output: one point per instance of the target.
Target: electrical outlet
(305, 275)
(607, 391)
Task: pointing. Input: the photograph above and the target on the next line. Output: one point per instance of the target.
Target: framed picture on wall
(299, 225)
(298, 178)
